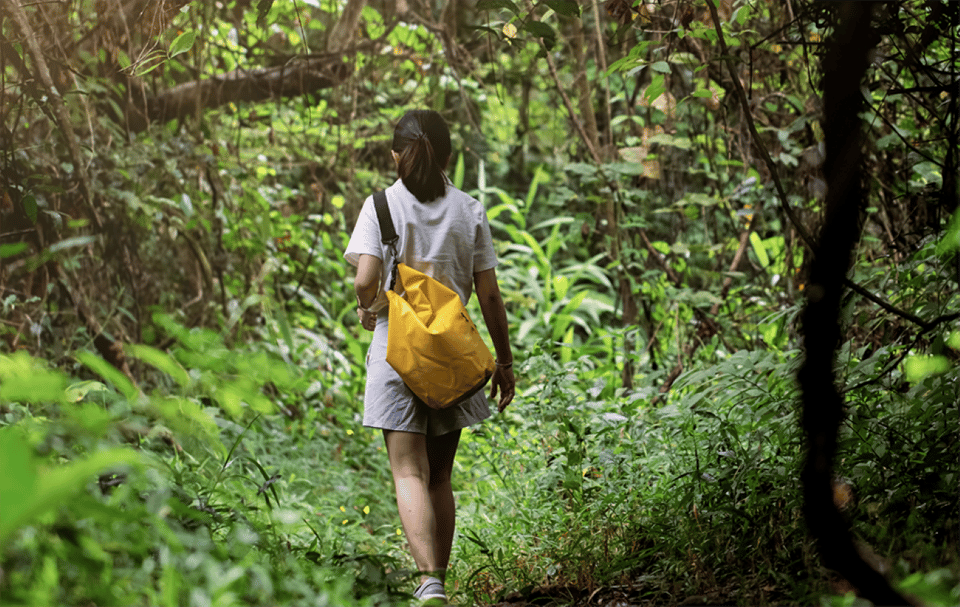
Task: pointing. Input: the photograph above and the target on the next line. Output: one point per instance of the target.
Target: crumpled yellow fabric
(432, 343)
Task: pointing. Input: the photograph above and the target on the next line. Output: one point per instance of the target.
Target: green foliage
(230, 465)
(199, 512)
(599, 514)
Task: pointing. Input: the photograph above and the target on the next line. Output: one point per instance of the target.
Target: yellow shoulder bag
(431, 342)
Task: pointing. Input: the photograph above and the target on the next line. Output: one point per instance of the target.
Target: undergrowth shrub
(210, 490)
(687, 496)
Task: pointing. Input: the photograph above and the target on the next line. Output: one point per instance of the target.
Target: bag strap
(388, 234)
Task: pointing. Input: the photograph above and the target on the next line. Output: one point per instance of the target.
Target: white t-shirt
(447, 239)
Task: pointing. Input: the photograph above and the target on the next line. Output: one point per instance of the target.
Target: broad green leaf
(661, 246)
(27, 380)
(26, 492)
(538, 250)
(9, 250)
(161, 360)
(182, 43)
(759, 249)
(184, 415)
(458, 173)
(78, 391)
(18, 480)
(951, 240)
(918, 368)
(567, 8)
(554, 221)
(110, 373)
(581, 168)
(954, 340)
(541, 30)
(656, 88)
(284, 323)
(560, 286)
(30, 207)
(539, 176)
(929, 173)
(660, 66)
(566, 353)
(574, 302)
(555, 242)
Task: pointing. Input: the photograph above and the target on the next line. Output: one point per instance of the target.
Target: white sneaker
(431, 592)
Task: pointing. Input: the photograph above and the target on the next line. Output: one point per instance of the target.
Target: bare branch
(295, 78)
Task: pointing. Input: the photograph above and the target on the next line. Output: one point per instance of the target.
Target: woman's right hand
(368, 319)
(504, 382)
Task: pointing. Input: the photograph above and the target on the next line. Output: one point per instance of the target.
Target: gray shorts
(389, 404)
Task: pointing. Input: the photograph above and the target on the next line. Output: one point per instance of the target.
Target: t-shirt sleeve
(365, 239)
(484, 257)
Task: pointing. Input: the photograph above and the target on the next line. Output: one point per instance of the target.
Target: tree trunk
(344, 32)
(843, 70)
(582, 85)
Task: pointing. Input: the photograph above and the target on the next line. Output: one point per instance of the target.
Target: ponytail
(422, 143)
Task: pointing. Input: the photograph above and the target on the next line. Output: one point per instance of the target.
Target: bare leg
(421, 469)
(441, 451)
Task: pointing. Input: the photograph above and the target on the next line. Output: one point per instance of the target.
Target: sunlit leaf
(458, 172)
(954, 340)
(27, 380)
(759, 249)
(9, 250)
(182, 43)
(951, 239)
(78, 391)
(918, 368)
(660, 66)
(110, 373)
(161, 360)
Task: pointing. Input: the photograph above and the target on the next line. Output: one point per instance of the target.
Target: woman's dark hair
(422, 142)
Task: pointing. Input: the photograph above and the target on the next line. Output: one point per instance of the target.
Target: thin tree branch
(755, 136)
(883, 304)
(775, 176)
(570, 110)
(61, 114)
(602, 55)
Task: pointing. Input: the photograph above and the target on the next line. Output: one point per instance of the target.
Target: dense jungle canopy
(729, 247)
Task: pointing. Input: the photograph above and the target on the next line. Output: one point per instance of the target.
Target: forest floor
(609, 597)
(619, 596)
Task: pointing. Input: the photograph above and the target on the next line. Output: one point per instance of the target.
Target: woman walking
(444, 233)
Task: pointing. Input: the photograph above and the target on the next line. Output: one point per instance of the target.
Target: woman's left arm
(366, 285)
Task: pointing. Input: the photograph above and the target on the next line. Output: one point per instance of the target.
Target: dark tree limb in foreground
(844, 67)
